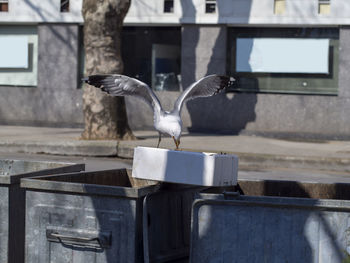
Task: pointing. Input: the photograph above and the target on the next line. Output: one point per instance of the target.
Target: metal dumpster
(272, 221)
(105, 216)
(12, 201)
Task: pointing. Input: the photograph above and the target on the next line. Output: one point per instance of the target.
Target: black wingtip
(85, 79)
(231, 81)
(227, 80)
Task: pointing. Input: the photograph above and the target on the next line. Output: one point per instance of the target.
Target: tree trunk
(104, 116)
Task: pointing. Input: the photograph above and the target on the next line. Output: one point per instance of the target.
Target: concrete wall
(56, 101)
(310, 116)
(238, 12)
(146, 12)
(204, 52)
(39, 11)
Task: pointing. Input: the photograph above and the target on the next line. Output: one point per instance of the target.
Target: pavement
(255, 153)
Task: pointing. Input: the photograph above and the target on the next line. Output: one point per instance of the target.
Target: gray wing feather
(120, 85)
(205, 87)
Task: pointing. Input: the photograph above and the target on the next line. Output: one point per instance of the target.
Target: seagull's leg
(174, 141)
(159, 139)
(177, 143)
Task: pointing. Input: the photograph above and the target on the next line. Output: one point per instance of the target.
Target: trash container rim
(272, 201)
(65, 168)
(38, 183)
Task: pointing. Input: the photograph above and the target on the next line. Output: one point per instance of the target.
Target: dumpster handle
(78, 241)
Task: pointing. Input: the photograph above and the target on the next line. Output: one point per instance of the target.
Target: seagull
(165, 122)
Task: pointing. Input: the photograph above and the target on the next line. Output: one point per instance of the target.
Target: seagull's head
(175, 133)
(170, 123)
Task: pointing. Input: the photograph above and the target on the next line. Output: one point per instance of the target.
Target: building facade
(290, 58)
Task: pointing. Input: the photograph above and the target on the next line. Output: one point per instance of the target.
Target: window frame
(22, 77)
(64, 9)
(257, 82)
(325, 3)
(173, 7)
(4, 3)
(207, 4)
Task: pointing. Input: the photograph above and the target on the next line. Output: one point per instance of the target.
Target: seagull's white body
(168, 123)
(164, 122)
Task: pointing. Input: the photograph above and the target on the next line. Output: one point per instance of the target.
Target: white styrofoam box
(207, 169)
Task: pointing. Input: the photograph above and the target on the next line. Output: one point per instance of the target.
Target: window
(279, 7)
(13, 52)
(284, 60)
(210, 6)
(168, 6)
(165, 68)
(282, 55)
(19, 56)
(324, 7)
(4, 5)
(64, 6)
(153, 55)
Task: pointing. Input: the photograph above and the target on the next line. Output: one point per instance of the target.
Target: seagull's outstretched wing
(120, 85)
(205, 87)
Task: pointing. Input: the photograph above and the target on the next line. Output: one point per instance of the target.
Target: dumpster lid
(116, 182)
(11, 171)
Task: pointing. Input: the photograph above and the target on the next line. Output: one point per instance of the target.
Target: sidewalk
(253, 151)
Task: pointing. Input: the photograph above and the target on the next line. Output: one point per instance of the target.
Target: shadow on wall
(66, 39)
(223, 113)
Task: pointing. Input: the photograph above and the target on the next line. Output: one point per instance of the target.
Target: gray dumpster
(12, 201)
(105, 216)
(272, 221)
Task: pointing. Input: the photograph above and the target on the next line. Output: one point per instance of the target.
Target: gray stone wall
(308, 116)
(313, 116)
(56, 101)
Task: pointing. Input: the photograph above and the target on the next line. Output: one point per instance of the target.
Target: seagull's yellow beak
(177, 142)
